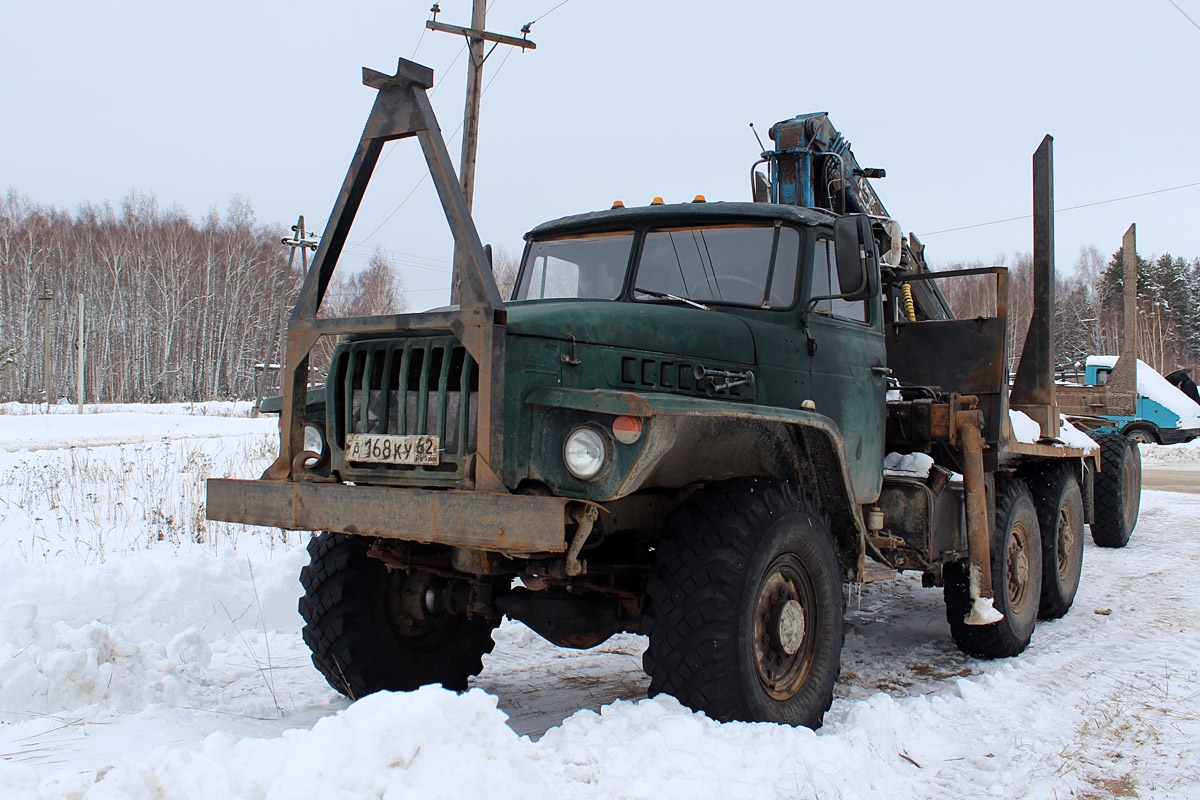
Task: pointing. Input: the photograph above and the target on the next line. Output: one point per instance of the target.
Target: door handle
(882, 372)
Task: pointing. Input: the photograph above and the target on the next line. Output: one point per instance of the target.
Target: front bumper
(1177, 435)
(506, 523)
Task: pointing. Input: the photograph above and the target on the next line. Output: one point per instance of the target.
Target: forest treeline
(175, 310)
(183, 310)
(1089, 307)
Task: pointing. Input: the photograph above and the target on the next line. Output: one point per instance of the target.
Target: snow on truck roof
(1157, 388)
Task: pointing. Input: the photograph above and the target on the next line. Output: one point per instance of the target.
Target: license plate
(388, 449)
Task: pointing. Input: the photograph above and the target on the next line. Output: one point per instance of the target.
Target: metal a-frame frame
(401, 110)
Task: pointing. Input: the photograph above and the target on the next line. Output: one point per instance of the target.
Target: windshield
(721, 265)
(587, 266)
(748, 265)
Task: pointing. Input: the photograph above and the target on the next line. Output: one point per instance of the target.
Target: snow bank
(427, 744)
(53, 667)
(119, 637)
(1154, 386)
(1172, 455)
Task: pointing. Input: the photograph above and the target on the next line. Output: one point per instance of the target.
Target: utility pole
(46, 298)
(301, 242)
(476, 36)
(470, 140)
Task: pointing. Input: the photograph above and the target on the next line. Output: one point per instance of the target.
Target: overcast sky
(621, 100)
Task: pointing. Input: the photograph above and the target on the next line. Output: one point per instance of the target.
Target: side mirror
(857, 257)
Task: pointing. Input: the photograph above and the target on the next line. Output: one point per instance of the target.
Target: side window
(824, 276)
(552, 277)
(822, 259)
(783, 284)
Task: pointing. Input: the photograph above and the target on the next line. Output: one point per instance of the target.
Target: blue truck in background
(1165, 414)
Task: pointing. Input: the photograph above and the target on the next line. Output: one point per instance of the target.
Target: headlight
(584, 453)
(314, 441)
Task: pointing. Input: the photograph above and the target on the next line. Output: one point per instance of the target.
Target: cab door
(848, 368)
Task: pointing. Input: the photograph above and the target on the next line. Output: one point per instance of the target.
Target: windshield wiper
(669, 296)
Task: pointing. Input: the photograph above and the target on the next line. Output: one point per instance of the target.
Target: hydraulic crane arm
(813, 166)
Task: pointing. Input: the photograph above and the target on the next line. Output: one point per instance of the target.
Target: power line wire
(391, 146)
(510, 51)
(1067, 208)
(401, 254)
(420, 39)
(365, 256)
(386, 219)
(1185, 14)
(551, 11)
(438, 84)
(399, 258)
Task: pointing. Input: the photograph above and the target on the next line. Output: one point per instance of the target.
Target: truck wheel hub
(1066, 542)
(790, 627)
(1018, 566)
(783, 650)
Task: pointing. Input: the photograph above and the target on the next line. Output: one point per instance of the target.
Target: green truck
(677, 426)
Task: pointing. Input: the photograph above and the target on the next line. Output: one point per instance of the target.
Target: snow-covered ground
(147, 653)
(1172, 455)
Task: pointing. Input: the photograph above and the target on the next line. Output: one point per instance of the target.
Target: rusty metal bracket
(585, 517)
(300, 471)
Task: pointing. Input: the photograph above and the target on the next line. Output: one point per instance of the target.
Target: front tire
(745, 606)
(1118, 490)
(1016, 560)
(361, 638)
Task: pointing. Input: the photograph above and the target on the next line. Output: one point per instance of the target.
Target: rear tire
(1118, 490)
(1059, 503)
(1016, 556)
(745, 607)
(361, 639)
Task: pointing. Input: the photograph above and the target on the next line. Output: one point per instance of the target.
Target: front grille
(410, 387)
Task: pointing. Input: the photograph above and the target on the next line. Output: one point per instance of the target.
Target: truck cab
(690, 311)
